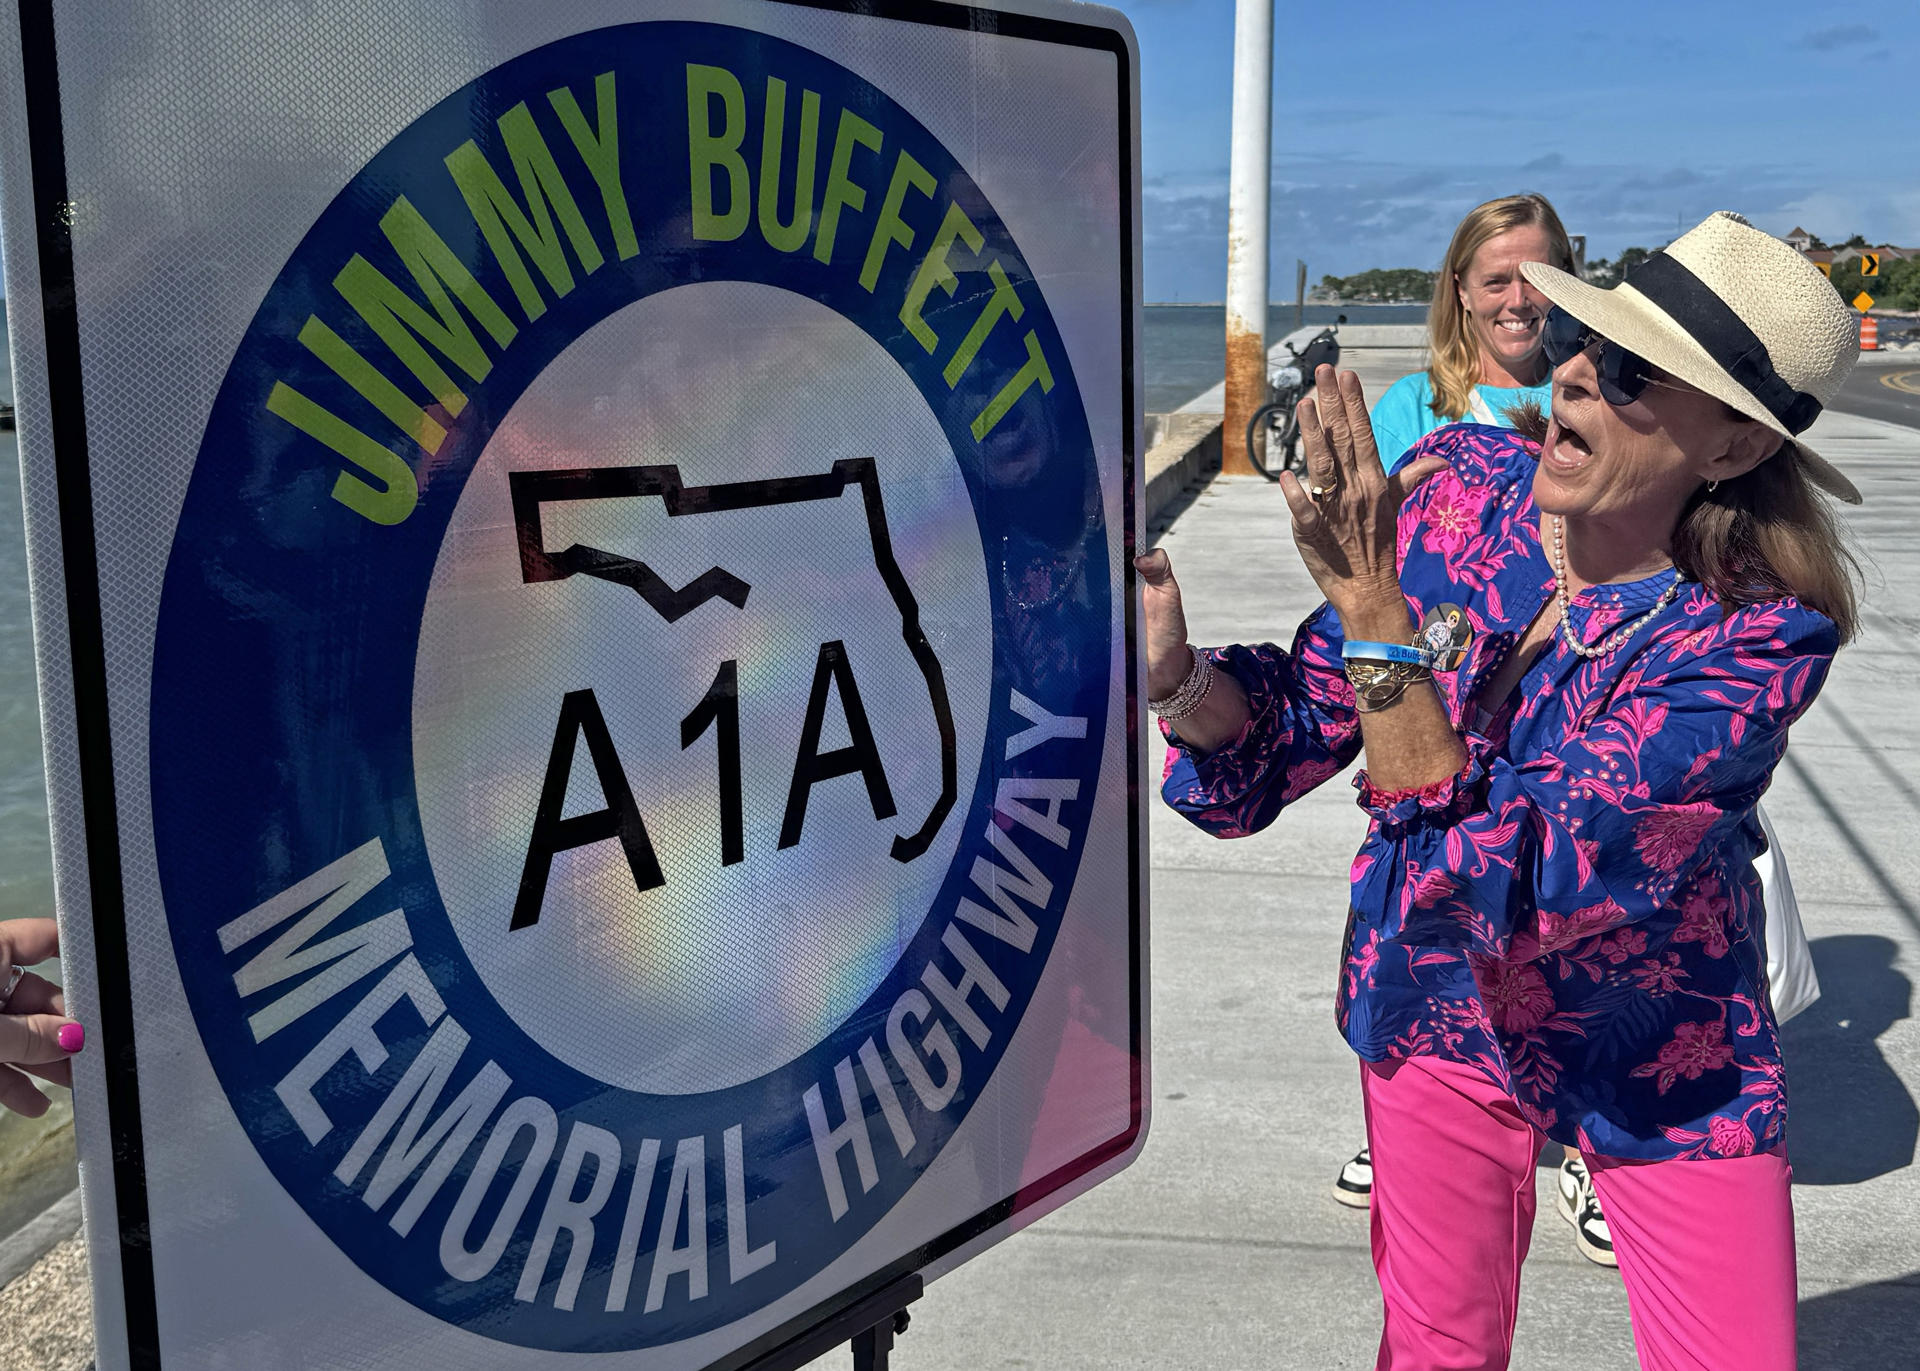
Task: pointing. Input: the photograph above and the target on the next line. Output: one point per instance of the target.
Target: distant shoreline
(1288, 304)
(1876, 313)
(1361, 304)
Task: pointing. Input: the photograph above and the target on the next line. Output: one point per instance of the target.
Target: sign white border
(72, 650)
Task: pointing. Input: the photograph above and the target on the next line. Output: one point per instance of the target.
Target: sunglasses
(1624, 375)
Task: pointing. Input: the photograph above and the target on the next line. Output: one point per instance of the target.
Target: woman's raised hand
(1168, 660)
(1346, 533)
(36, 1036)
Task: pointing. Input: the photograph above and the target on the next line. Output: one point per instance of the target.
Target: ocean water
(26, 876)
(1184, 347)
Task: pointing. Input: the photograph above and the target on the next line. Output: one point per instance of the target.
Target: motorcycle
(1287, 384)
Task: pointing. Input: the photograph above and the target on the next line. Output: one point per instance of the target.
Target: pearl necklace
(1620, 635)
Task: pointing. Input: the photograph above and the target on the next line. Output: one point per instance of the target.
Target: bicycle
(1287, 385)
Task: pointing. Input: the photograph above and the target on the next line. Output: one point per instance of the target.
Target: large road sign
(1869, 264)
(581, 562)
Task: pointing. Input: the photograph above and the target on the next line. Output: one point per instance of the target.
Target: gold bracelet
(1377, 684)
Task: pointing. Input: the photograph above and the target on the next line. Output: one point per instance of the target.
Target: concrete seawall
(1183, 454)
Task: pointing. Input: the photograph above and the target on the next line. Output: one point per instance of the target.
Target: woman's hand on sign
(1223, 712)
(36, 1036)
(1346, 532)
(1168, 660)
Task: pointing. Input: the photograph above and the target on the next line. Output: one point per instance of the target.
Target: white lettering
(576, 1216)
(1012, 925)
(977, 975)
(1046, 726)
(881, 1083)
(637, 1197)
(686, 1195)
(937, 1041)
(743, 1259)
(357, 952)
(421, 1087)
(1013, 794)
(527, 1112)
(354, 1033)
(852, 1132)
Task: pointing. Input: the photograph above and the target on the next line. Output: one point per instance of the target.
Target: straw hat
(1736, 313)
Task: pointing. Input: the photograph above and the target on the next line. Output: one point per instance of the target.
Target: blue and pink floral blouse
(1576, 913)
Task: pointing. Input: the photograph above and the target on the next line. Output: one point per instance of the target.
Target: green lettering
(890, 228)
(841, 192)
(934, 271)
(398, 492)
(1036, 369)
(1004, 300)
(790, 236)
(372, 383)
(601, 153)
(498, 213)
(707, 150)
(401, 321)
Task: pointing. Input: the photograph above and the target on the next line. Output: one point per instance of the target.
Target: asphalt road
(1884, 390)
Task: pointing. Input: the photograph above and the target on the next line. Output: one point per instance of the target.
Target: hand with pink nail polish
(36, 1036)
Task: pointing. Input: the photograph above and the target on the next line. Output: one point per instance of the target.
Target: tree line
(1896, 287)
(1392, 285)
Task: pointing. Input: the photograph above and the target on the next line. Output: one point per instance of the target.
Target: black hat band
(1711, 322)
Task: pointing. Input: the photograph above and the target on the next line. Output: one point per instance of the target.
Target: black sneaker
(1579, 1205)
(1353, 1187)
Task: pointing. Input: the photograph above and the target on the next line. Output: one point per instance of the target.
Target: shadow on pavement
(1867, 1326)
(1851, 1117)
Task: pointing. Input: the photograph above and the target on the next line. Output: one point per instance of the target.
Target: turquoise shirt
(1403, 414)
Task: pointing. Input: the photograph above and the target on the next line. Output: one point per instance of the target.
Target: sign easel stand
(869, 1324)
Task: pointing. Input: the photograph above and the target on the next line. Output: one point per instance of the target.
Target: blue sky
(1392, 118)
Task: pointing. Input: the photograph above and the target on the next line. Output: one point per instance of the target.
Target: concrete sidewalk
(1222, 1247)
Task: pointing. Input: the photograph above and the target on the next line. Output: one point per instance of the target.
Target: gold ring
(1318, 493)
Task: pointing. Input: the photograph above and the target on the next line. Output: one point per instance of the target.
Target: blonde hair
(1454, 368)
(1766, 535)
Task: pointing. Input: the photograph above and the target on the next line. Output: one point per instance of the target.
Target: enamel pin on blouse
(1445, 632)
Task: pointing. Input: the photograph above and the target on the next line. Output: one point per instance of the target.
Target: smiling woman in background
(1483, 331)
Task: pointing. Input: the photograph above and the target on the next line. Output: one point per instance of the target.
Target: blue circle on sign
(438, 1145)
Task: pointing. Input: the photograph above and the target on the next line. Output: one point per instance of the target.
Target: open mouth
(1517, 326)
(1565, 447)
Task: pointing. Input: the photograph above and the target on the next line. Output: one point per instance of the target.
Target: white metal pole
(1248, 190)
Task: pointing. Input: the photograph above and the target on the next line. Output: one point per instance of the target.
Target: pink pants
(1705, 1247)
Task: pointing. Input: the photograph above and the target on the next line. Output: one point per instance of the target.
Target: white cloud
(1346, 217)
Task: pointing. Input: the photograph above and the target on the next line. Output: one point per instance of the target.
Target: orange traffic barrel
(1869, 333)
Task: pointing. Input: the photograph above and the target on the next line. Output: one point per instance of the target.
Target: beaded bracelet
(1190, 693)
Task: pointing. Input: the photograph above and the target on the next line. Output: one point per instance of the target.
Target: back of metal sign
(581, 572)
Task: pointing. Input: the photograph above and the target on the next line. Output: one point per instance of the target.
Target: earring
(1712, 486)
